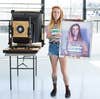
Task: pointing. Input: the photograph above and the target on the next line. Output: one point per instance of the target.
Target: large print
(76, 38)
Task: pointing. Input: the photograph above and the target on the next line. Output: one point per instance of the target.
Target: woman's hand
(58, 35)
(50, 36)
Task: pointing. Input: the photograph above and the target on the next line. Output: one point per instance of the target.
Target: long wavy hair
(52, 21)
(79, 37)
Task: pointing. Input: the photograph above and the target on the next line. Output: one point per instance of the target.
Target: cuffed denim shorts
(53, 48)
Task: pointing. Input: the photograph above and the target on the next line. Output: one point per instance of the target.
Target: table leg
(10, 73)
(17, 66)
(36, 64)
(33, 75)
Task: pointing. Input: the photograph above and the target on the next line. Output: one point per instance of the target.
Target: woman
(75, 39)
(54, 34)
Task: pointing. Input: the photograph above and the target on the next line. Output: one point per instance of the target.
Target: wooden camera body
(26, 31)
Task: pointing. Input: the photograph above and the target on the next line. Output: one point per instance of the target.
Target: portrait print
(76, 38)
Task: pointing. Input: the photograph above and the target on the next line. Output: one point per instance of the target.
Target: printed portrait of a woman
(74, 41)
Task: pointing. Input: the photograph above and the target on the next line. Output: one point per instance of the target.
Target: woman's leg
(53, 60)
(63, 65)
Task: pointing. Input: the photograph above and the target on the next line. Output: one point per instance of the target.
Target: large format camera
(26, 30)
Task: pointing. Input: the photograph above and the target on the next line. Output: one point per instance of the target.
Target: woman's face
(75, 30)
(56, 13)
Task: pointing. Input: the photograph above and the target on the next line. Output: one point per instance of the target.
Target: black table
(23, 56)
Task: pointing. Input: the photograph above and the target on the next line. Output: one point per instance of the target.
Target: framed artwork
(76, 38)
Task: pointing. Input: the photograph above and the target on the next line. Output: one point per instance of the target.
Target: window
(93, 14)
(72, 9)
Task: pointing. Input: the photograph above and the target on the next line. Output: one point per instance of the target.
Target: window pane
(72, 9)
(93, 14)
(19, 5)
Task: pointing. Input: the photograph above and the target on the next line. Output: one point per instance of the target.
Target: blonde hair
(51, 24)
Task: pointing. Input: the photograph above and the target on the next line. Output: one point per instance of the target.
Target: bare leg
(63, 65)
(54, 60)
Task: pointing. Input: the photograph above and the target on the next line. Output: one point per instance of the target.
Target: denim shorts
(53, 48)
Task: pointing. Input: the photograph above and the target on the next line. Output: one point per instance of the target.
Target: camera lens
(20, 29)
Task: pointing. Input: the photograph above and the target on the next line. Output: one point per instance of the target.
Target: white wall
(3, 42)
(95, 50)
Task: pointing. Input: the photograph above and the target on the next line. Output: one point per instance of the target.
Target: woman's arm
(50, 36)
